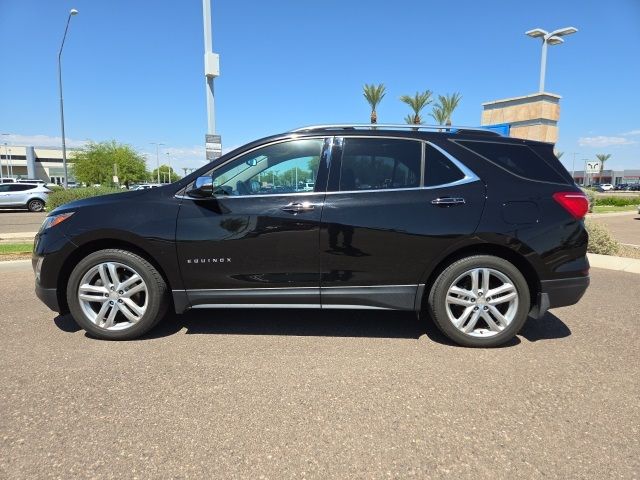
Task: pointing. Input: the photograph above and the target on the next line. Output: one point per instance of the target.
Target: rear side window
(16, 187)
(380, 163)
(517, 159)
(439, 170)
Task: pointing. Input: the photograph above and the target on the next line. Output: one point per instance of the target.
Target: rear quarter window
(517, 159)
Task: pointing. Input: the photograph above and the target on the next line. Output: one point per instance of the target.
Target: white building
(44, 163)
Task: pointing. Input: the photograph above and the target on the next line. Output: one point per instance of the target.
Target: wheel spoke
(462, 318)
(111, 317)
(132, 291)
(459, 301)
(474, 281)
(504, 288)
(113, 273)
(504, 298)
(127, 312)
(93, 293)
(136, 309)
(102, 270)
(100, 315)
(493, 325)
(472, 323)
(461, 292)
(485, 280)
(130, 281)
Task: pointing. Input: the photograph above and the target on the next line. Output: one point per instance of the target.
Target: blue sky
(133, 70)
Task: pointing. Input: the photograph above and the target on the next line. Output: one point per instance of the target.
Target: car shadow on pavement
(322, 323)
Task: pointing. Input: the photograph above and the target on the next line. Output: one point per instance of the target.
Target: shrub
(617, 201)
(60, 197)
(600, 240)
(591, 196)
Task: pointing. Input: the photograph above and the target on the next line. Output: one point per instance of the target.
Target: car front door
(255, 241)
(392, 206)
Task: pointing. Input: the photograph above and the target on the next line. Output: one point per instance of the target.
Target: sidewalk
(17, 237)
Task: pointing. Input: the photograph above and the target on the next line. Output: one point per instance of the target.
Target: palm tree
(374, 95)
(438, 114)
(602, 157)
(447, 104)
(417, 104)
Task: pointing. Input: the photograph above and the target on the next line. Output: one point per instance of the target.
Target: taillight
(575, 203)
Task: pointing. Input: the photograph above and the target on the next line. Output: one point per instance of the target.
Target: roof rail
(399, 126)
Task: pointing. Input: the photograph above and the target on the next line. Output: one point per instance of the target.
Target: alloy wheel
(482, 302)
(113, 296)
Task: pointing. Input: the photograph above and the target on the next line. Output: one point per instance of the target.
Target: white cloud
(43, 141)
(631, 133)
(604, 141)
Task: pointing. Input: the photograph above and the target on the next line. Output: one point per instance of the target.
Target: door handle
(298, 207)
(448, 201)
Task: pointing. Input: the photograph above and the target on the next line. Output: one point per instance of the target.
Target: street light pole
(157, 157)
(169, 163)
(72, 12)
(553, 38)
(211, 71)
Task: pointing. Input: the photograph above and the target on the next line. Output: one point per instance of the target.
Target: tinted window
(517, 159)
(286, 167)
(439, 170)
(376, 163)
(4, 188)
(16, 187)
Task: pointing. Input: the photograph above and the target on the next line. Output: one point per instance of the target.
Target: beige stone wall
(533, 117)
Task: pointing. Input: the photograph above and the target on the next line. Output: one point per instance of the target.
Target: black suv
(478, 230)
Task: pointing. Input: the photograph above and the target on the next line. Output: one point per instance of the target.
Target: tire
(454, 305)
(35, 205)
(139, 302)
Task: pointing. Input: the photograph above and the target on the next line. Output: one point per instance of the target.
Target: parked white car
(32, 196)
(605, 187)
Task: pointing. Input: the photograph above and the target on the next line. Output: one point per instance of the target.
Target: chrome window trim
(469, 175)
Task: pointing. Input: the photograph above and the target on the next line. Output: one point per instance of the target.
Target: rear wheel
(35, 205)
(116, 295)
(480, 301)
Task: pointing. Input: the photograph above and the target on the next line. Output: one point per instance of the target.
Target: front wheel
(116, 295)
(480, 301)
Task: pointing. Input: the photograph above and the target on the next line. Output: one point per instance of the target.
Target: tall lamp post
(213, 142)
(548, 38)
(72, 12)
(158, 145)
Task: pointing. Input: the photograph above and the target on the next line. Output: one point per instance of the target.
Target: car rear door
(392, 206)
(17, 194)
(255, 242)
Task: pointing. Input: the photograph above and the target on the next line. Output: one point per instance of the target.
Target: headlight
(54, 220)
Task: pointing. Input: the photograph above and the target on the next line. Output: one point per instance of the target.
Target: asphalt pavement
(625, 227)
(17, 221)
(321, 394)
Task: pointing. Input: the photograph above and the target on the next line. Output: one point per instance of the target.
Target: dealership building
(44, 163)
(614, 177)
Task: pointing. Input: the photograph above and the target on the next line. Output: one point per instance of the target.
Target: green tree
(164, 174)
(99, 162)
(602, 158)
(374, 95)
(447, 105)
(417, 104)
(438, 114)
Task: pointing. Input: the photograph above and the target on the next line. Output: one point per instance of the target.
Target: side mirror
(202, 188)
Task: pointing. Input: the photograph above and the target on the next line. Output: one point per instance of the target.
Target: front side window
(287, 167)
(380, 163)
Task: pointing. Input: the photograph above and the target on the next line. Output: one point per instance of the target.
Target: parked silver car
(32, 196)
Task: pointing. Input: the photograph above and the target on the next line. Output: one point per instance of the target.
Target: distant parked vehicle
(31, 196)
(604, 187)
(7, 180)
(145, 186)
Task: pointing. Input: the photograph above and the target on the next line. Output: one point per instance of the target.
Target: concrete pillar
(31, 162)
(533, 117)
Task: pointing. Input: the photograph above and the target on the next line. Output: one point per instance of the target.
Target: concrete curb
(608, 262)
(612, 214)
(621, 264)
